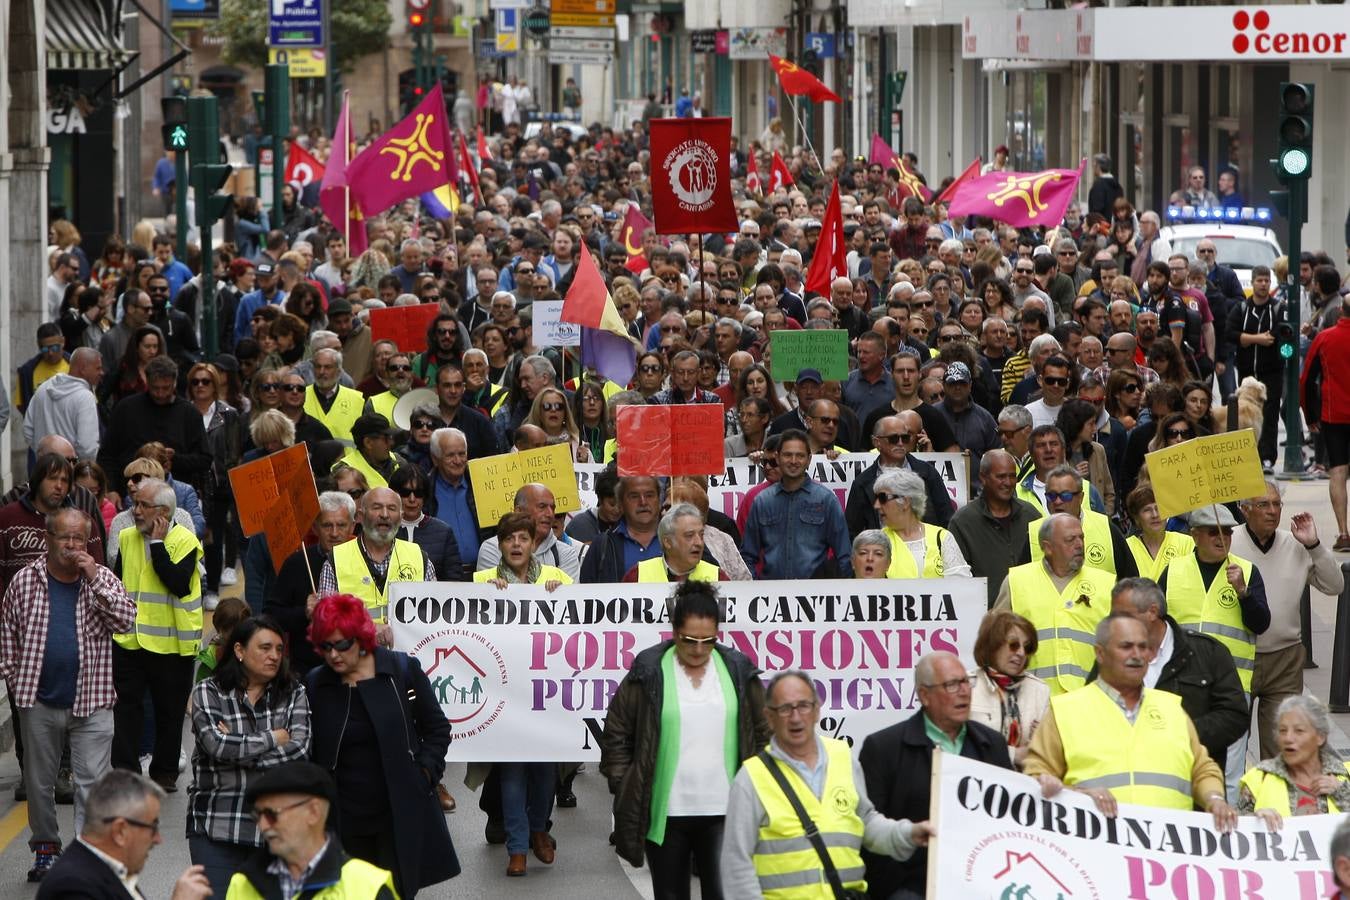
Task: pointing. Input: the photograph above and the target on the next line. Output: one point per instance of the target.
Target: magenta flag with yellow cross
(1020, 199)
(413, 157)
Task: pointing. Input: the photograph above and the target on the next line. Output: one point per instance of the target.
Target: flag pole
(806, 136)
(346, 194)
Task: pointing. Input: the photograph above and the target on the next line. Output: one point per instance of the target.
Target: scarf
(531, 573)
(1007, 686)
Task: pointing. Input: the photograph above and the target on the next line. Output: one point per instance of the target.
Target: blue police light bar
(1263, 214)
(1232, 214)
(1257, 214)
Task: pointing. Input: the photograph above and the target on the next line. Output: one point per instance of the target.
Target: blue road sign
(823, 44)
(295, 23)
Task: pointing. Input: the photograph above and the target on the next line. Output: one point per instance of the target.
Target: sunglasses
(1055, 381)
(1021, 271)
(883, 498)
(1008, 433)
(356, 493)
(200, 381)
(1131, 388)
(1178, 433)
(137, 478)
(403, 368)
(524, 271)
(923, 304)
(271, 814)
(826, 420)
(894, 439)
(406, 492)
(1015, 645)
(452, 330)
(948, 338)
(698, 641)
(552, 407)
(53, 348)
(269, 387)
(1061, 496)
(767, 462)
(341, 646)
(422, 423)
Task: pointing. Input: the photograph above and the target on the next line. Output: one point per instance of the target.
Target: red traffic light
(416, 19)
(418, 91)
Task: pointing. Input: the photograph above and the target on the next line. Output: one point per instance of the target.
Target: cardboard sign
(671, 440)
(497, 478)
(276, 496)
(1220, 468)
(824, 351)
(549, 328)
(406, 326)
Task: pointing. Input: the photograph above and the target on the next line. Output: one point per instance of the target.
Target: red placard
(691, 176)
(671, 440)
(406, 326)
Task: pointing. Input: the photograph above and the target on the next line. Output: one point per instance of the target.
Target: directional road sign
(295, 23)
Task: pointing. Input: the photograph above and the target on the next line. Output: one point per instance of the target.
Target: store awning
(80, 36)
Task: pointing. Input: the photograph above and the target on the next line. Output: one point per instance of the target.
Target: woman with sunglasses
(224, 442)
(1004, 695)
(592, 416)
(248, 716)
(377, 728)
(551, 413)
(1124, 397)
(416, 444)
(432, 535)
(918, 549)
(687, 714)
(651, 374)
(265, 392)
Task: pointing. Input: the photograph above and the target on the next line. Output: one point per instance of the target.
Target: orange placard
(671, 440)
(406, 326)
(582, 7)
(276, 496)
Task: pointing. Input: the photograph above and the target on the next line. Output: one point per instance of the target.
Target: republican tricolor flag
(606, 344)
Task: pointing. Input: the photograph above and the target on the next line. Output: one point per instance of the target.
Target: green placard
(824, 351)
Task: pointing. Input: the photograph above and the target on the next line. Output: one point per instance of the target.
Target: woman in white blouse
(918, 550)
(1003, 694)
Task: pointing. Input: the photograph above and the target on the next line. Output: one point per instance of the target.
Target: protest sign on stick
(685, 439)
(497, 478)
(825, 351)
(406, 326)
(276, 496)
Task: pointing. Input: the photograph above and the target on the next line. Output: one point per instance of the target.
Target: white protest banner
(549, 328)
(997, 837)
(527, 675)
(726, 491)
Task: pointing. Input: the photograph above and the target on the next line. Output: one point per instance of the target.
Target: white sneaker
(210, 600)
(182, 761)
(228, 577)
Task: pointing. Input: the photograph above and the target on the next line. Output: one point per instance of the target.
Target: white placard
(549, 328)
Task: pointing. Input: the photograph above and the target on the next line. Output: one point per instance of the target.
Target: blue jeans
(527, 800)
(221, 860)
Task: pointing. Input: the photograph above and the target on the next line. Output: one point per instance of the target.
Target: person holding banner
(1308, 777)
(687, 714)
(871, 554)
(918, 549)
(431, 534)
(680, 532)
(894, 437)
(537, 502)
(517, 565)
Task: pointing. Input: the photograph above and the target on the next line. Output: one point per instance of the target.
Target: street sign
(507, 32)
(822, 44)
(581, 45)
(305, 62)
(295, 23)
(265, 174)
(703, 41)
(580, 32)
(583, 7)
(567, 58)
(536, 21)
(583, 20)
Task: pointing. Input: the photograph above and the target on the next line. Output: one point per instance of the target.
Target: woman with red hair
(373, 711)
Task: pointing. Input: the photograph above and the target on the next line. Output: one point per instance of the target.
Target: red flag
(910, 184)
(415, 156)
(949, 191)
(797, 81)
(302, 168)
(484, 154)
(1021, 199)
(466, 166)
(831, 257)
(753, 183)
(780, 176)
(333, 193)
(691, 176)
(635, 225)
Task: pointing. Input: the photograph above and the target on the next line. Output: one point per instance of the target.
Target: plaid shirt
(102, 609)
(225, 761)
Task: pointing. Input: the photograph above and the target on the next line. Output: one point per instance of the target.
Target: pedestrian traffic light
(174, 130)
(1284, 340)
(1296, 131)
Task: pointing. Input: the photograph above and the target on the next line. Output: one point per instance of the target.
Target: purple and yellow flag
(414, 157)
(1021, 199)
(911, 185)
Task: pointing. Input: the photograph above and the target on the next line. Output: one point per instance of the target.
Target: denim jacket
(789, 534)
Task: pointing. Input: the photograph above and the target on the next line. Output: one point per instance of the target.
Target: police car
(1243, 237)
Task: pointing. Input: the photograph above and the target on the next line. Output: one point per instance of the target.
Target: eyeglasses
(787, 709)
(271, 814)
(419, 424)
(406, 492)
(1067, 253)
(826, 420)
(152, 827)
(552, 407)
(1061, 496)
(1180, 433)
(197, 382)
(1206, 251)
(1055, 380)
(341, 646)
(1266, 504)
(952, 687)
(268, 387)
(403, 368)
(699, 641)
(883, 498)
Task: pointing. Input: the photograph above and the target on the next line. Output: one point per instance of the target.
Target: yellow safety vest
(352, 457)
(341, 416)
(384, 405)
(785, 862)
(546, 574)
(1098, 551)
(1148, 762)
(1215, 611)
(654, 570)
(902, 561)
(353, 575)
(1174, 544)
(1270, 791)
(1065, 622)
(359, 879)
(1026, 493)
(164, 623)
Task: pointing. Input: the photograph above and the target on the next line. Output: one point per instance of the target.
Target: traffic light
(416, 19)
(1296, 131)
(174, 130)
(212, 205)
(1284, 340)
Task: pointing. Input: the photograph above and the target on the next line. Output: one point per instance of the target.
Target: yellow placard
(507, 42)
(582, 7)
(305, 62)
(1220, 468)
(497, 478)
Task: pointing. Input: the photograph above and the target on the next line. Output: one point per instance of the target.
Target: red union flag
(780, 176)
(302, 168)
(1020, 199)
(793, 79)
(691, 176)
(413, 157)
(831, 257)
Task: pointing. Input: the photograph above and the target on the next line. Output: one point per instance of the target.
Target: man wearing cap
(358, 349)
(366, 565)
(303, 857)
(975, 429)
(1217, 593)
(336, 406)
(808, 389)
(372, 454)
(267, 293)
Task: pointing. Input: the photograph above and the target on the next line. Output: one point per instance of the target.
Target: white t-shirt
(700, 786)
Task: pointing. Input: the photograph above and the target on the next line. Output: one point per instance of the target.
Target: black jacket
(897, 764)
(861, 515)
(78, 874)
(137, 420)
(480, 436)
(286, 601)
(438, 543)
(1253, 318)
(413, 736)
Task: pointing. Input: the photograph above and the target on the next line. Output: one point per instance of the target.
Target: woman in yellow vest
(1308, 778)
(515, 536)
(1154, 547)
(918, 550)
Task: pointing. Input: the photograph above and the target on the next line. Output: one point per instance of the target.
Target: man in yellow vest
(337, 407)
(1104, 547)
(765, 851)
(371, 452)
(1216, 593)
(399, 378)
(366, 565)
(1120, 742)
(1047, 452)
(1064, 600)
(680, 532)
(157, 563)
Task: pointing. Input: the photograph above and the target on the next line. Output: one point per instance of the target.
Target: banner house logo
(1035, 874)
(1254, 36)
(468, 676)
